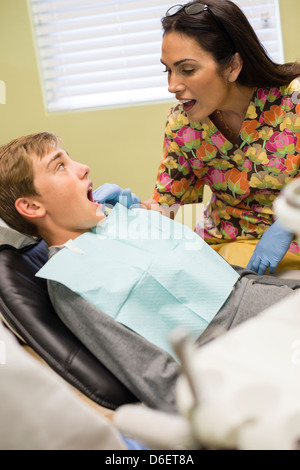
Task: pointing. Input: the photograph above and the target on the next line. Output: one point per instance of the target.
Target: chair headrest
(9, 236)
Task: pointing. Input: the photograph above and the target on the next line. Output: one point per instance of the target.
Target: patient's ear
(30, 208)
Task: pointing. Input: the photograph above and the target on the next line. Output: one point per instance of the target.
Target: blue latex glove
(271, 248)
(110, 194)
(133, 445)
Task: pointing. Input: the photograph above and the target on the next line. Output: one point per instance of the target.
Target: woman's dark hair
(223, 30)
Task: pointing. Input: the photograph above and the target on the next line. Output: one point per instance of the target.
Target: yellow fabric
(240, 252)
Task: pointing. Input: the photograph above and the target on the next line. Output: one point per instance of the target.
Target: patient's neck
(60, 237)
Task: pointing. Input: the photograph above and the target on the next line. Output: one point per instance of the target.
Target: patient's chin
(99, 213)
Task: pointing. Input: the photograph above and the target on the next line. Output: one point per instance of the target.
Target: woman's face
(193, 76)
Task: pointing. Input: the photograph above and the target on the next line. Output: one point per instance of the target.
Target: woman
(236, 129)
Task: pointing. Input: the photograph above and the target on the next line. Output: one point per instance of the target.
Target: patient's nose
(83, 170)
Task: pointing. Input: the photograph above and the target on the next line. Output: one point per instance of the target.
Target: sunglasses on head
(196, 9)
(193, 9)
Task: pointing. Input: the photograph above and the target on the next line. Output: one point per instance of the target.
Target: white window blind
(97, 54)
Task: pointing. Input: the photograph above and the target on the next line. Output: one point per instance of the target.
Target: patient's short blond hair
(16, 175)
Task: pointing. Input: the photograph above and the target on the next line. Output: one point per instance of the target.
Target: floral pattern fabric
(246, 178)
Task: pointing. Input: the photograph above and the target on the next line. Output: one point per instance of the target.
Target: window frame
(138, 97)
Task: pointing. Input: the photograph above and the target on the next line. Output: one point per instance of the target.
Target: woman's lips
(188, 104)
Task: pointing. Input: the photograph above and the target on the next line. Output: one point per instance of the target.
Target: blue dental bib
(146, 271)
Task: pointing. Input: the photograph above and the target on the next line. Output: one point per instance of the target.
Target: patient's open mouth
(90, 196)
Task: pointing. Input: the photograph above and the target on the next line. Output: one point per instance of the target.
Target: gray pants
(251, 295)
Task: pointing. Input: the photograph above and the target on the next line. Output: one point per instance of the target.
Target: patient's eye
(60, 166)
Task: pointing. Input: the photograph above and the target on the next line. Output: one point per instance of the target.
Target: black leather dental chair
(26, 308)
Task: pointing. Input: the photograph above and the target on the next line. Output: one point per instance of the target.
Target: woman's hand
(270, 250)
(110, 194)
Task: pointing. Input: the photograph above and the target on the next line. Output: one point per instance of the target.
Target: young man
(45, 193)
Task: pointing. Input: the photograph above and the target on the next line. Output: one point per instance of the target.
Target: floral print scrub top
(245, 178)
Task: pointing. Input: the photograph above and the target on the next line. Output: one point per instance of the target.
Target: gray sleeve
(146, 370)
